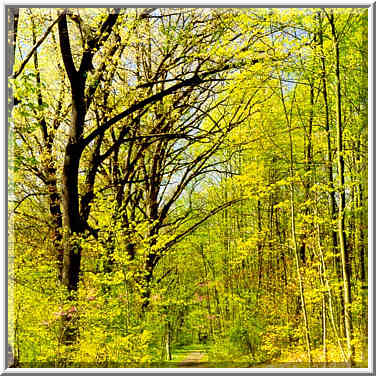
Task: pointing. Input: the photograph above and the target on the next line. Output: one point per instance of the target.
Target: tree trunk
(259, 250)
(307, 168)
(293, 228)
(301, 287)
(323, 315)
(332, 199)
(344, 250)
(72, 221)
(49, 170)
(13, 17)
(325, 282)
(168, 341)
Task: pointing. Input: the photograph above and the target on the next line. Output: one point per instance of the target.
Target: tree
(188, 176)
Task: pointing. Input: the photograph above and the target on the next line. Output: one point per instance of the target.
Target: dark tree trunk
(72, 219)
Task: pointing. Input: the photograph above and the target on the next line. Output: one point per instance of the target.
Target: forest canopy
(187, 179)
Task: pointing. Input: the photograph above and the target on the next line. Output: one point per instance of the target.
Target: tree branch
(200, 222)
(96, 43)
(66, 51)
(190, 82)
(36, 45)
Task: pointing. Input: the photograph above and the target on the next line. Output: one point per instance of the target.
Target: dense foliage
(188, 177)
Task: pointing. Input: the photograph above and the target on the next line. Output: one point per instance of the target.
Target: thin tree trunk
(308, 168)
(325, 282)
(293, 231)
(332, 199)
(361, 247)
(325, 351)
(204, 261)
(297, 263)
(168, 341)
(259, 250)
(344, 250)
(50, 171)
(13, 17)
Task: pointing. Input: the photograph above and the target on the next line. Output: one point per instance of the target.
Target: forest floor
(194, 359)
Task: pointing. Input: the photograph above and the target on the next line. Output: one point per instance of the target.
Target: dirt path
(192, 360)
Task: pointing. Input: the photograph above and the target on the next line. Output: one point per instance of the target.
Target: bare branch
(200, 222)
(190, 82)
(36, 45)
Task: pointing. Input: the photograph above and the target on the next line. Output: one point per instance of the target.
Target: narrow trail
(193, 360)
